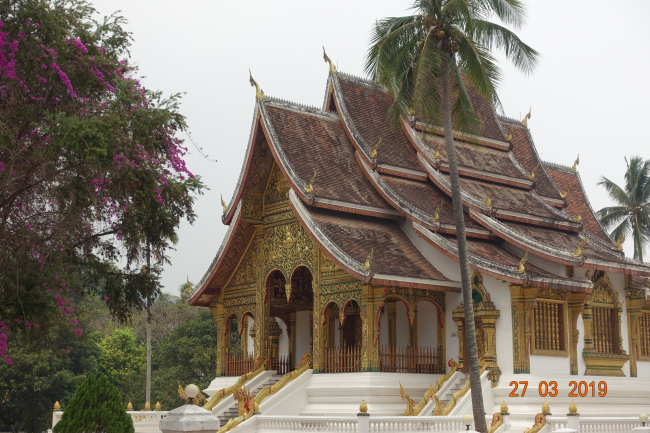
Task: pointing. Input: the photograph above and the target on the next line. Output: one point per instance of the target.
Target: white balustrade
(596, 424)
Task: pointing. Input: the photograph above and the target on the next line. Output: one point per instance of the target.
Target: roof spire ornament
(488, 200)
(259, 94)
(531, 176)
(565, 193)
(582, 243)
(436, 214)
(328, 60)
(366, 265)
(618, 245)
(509, 136)
(373, 153)
(437, 154)
(524, 259)
(189, 284)
(575, 164)
(223, 203)
(526, 117)
(309, 189)
(579, 216)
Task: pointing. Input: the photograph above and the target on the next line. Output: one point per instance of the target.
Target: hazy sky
(589, 95)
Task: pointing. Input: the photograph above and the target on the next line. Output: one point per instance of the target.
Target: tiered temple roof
(357, 185)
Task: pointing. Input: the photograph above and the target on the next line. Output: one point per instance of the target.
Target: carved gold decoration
(309, 189)
(259, 94)
(488, 200)
(526, 117)
(618, 245)
(223, 204)
(363, 407)
(456, 396)
(158, 406)
(241, 395)
(582, 243)
(373, 153)
(277, 190)
(252, 207)
(575, 164)
(57, 406)
(129, 406)
(540, 422)
(546, 409)
(437, 154)
(531, 176)
(147, 406)
(497, 420)
(579, 216)
(522, 300)
(509, 137)
(504, 407)
(549, 323)
(565, 193)
(522, 269)
(430, 394)
(572, 408)
(366, 265)
(328, 60)
(260, 365)
(436, 214)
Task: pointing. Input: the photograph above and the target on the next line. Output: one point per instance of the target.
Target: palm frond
(623, 228)
(610, 216)
(480, 68)
(463, 110)
(615, 192)
(510, 12)
(390, 38)
(491, 35)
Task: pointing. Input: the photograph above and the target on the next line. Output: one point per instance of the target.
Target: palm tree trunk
(148, 384)
(470, 330)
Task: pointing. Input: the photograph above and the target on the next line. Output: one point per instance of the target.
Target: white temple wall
(402, 325)
(643, 369)
(444, 264)
(302, 335)
(249, 340)
(427, 319)
(451, 330)
(581, 345)
(283, 340)
(541, 365)
(337, 333)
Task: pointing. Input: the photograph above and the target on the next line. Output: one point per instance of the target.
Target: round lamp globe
(191, 390)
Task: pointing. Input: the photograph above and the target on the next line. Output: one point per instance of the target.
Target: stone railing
(593, 424)
(329, 424)
(143, 422)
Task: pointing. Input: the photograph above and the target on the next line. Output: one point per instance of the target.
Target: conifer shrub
(96, 407)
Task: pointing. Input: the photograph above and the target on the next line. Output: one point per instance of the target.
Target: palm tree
(422, 60)
(632, 213)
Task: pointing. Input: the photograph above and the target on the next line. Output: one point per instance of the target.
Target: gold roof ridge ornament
(259, 94)
(488, 200)
(189, 284)
(531, 176)
(223, 203)
(522, 269)
(437, 154)
(328, 60)
(366, 265)
(579, 216)
(436, 214)
(575, 164)
(309, 189)
(373, 153)
(582, 243)
(618, 245)
(565, 193)
(526, 117)
(508, 138)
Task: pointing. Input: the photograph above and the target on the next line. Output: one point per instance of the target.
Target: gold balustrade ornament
(252, 406)
(497, 421)
(260, 365)
(429, 395)
(440, 411)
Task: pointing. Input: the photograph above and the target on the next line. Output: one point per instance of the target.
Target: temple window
(549, 325)
(644, 336)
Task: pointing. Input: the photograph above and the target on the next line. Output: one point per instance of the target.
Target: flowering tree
(91, 169)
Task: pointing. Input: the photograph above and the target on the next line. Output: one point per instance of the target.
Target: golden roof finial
(575, 164)
(523, 260)
(189, 284)
(309, 189)
(504, 407)
(328, 60)
(366, 265)
(223, 204)
(646, 282)
(565, 193)
(437, 154)
(158, 406)
(509, 136)
(129, 406)
(579, 216)
(531, 176)
(259, 94)
(373, 153)
(573, 408)
(582, 243)
(488, 200)
(546, 409)
(147, 406)
(436, 214)
(57, 406)
(618, 245)
(526, 117)
(363, 407)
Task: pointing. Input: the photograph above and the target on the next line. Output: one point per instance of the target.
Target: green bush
(96, 407)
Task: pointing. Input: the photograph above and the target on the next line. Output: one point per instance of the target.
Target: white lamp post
(468, 420)
(644, 428)
(189, 418)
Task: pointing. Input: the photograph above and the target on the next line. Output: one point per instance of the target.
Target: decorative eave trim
(401, 172)
(218, 258)
(490, 177)
(488, 142)
(359, 209)
(352, 266)
(498, 270)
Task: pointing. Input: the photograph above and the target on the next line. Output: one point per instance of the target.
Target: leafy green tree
(121, 357)
(96, 407)
(423, 60)
(631, 214)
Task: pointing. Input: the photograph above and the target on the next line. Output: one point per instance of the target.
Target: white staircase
(231, 411)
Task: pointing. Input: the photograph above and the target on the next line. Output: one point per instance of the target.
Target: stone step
(233, 412)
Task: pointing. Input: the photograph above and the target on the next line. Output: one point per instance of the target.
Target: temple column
(522, 302)
(292, 340)
(575, 304)
(262, 305)
(413, 330)
(218, 315)
(490, 348)
(371, 301)
(273, 340)
(244, 335)
(391, 315)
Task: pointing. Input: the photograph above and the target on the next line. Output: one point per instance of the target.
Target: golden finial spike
(328, 60)
(223, 204)
(158, 405)
(363, 407)
(57, 406)
(575, 164)
(618, 245)
(309, 189)
(582, 243)
(504, 407)
(129, 406)
(189, 284)
(259, 94)
(366, 265)
(437, 154)
(436, 214)
(565, 193)
(147, 406)
(572, 408)
(526, 117)
(373, 153)
(579, 216)
(523, 260)
(531, 176)
(488, 200)
(546, 409)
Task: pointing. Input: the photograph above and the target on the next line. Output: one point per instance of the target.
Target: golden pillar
(274, 338)
(391, 315)
(292, 340)
(413, 329)
(522, 301)
(575, 304)
(371, 301)
(218, 316)
(244, 335)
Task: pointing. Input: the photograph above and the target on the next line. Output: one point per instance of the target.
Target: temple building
(342, 244)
